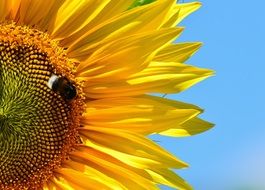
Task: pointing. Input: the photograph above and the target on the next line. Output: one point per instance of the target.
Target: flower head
(75, 103)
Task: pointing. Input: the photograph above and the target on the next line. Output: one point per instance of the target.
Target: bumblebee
(62, 86)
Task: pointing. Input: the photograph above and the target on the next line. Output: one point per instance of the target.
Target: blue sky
(232, 155)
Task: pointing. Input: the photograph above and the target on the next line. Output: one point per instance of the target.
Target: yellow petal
(94, 174)
(142, 114)
(136, 145)
(131, 160)
(125, 174)
(31, 12)
(4, 9)
(173, 103)
(8, 9)
(123, 57)
(73, 15)
(179, 12)
(47, 22)
(189, 128)
(158, 77)
(78, 180)
(107, 12)
(169, 178)
(128, 23)
(177, 52)
(56, 184)
(49, 185)
(162, 11)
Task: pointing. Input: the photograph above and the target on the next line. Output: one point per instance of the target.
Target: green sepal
(138, 3)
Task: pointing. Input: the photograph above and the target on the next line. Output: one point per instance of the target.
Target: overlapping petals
(122, 56)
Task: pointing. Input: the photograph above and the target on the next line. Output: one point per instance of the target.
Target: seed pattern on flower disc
(37, 125)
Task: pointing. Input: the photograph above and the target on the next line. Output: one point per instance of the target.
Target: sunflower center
(37, 122)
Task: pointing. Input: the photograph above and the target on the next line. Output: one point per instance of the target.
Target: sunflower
(77, 84)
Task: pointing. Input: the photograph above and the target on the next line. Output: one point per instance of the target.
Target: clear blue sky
(232, 155)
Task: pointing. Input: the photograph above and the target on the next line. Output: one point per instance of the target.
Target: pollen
(38, 126)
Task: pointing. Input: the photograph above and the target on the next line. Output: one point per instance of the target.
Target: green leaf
(138, 3)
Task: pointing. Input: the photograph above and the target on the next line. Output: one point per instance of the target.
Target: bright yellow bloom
(75, 84)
